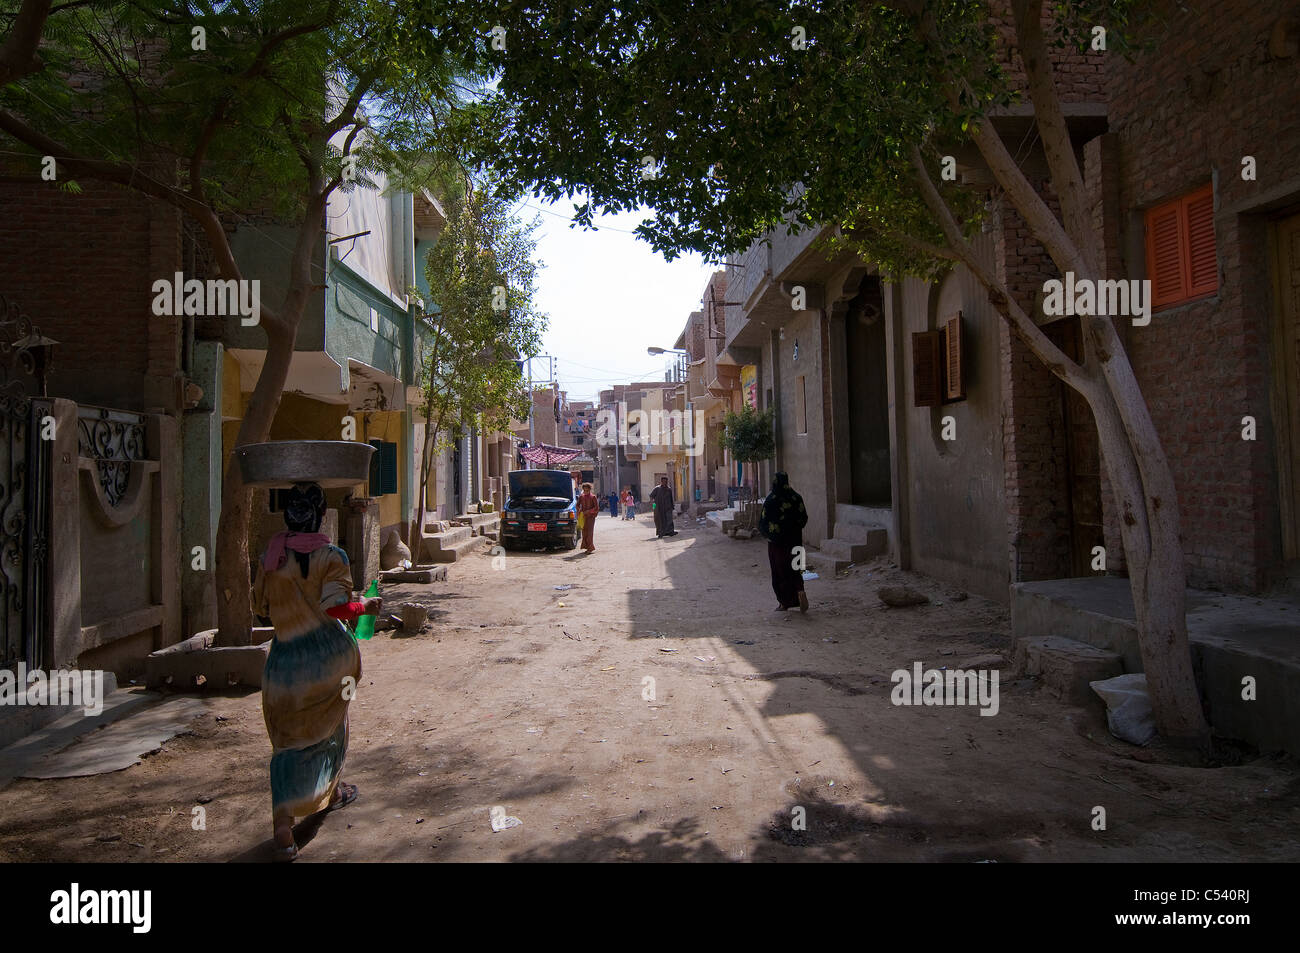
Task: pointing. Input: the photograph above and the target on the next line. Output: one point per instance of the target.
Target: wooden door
(1286, 379)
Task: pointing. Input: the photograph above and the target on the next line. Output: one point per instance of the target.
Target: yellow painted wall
(387, 425)
(302, 418)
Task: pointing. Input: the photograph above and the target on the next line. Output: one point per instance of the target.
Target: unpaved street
(532, 699)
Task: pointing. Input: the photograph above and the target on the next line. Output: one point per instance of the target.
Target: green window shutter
(383, 468)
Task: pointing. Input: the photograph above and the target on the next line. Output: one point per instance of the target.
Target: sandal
(349, 794)
(284, 854)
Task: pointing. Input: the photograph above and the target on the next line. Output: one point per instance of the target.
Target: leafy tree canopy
(756, 115)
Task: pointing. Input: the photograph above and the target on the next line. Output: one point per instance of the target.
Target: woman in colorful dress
(629, 504)
(588, 507)
(304, 584)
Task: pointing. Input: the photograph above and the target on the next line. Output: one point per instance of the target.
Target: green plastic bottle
(366, 624)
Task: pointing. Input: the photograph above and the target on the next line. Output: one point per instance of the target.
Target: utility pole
(532, 438)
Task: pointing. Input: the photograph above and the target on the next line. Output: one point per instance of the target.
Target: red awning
(544, 455)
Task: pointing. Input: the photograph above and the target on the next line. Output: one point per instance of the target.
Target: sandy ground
(534, 700)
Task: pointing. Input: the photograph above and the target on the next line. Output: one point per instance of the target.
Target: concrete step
(435, 543)
(723, 519)
(450, 546)
(861, 524)
(857, 551)
(1066, 666)
(479, 523)
(826, 564)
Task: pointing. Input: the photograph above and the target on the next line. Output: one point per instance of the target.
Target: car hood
(532, 483)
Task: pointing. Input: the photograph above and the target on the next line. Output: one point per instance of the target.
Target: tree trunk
(1148, 513)
(234, 606)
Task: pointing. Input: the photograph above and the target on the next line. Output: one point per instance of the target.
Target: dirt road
(537, 701)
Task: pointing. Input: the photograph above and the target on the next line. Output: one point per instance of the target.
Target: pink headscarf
(298, 542)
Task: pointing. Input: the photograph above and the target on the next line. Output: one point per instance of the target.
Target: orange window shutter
(1202, 260)
(1165, 255)
(927, 369)
(954, 380)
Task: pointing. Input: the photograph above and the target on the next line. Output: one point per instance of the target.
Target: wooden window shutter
(1202, 260)
(1164, 256)
(927, 369)
(1182, 259)
(954, 386)
(383, 468)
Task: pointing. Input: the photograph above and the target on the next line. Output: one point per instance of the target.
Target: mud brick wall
(82, 266)
(1183, 114)
(1033, 435)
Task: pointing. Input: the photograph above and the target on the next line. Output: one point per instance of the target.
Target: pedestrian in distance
(629, 504)
(304, 584)
(782, 522)
(613, 504)
(588, 509)
(662, 498)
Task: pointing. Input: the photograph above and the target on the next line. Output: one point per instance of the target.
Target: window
(1182, 262)
(954, 381)
(800, 407)
(927, 368)
(383, 468)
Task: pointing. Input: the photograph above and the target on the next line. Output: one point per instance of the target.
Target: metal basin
(281, 463)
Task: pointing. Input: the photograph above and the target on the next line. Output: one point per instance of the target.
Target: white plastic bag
(1128, 707)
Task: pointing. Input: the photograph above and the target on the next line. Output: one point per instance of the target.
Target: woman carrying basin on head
(304, 584)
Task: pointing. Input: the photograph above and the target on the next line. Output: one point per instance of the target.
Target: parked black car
(541, 509)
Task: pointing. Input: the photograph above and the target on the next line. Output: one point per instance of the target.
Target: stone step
(861, 524)
(439, 542)
(420, 574)
(1066, 665)
(178, 666)
(723, 519)
(856, 551)
(825, 564)
(443, 550)
(478, 523)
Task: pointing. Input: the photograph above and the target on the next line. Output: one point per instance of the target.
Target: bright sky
(609, 297)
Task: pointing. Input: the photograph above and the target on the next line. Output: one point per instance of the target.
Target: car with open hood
(541, 510)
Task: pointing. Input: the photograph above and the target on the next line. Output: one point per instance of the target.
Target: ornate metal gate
(24, 490)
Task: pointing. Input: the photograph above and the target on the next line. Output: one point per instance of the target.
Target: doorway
(868, 396)
(1082, 456)
(1286, 385)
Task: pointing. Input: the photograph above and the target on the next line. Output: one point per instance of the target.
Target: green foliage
(470, 367)
(264, 99)
(749, 133)
(749, 434)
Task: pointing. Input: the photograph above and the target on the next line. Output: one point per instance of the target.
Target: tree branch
(18, 52)
(1067, 180)
(1020, 323)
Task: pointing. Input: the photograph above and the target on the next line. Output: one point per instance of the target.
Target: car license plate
(537, 527)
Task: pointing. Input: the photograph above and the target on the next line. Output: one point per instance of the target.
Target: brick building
(1214, 105)
(1019, 493)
